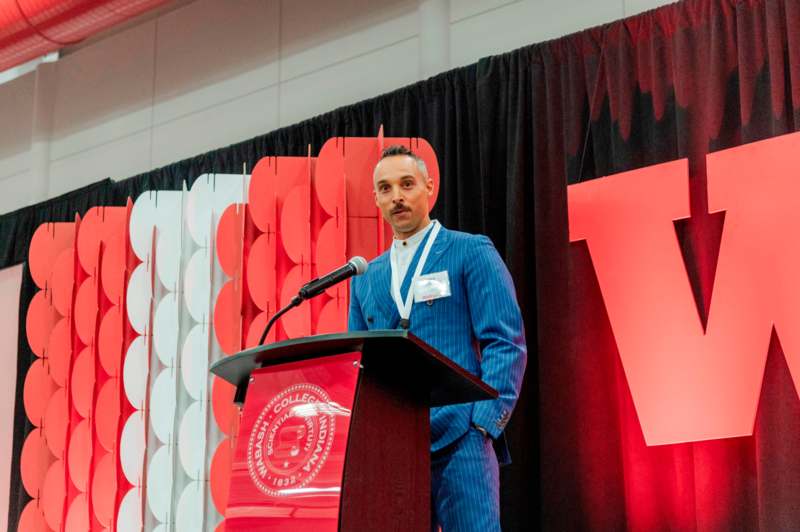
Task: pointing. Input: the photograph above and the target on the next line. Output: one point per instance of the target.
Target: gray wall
(214, 72)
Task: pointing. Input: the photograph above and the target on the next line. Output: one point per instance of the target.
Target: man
(452, 290)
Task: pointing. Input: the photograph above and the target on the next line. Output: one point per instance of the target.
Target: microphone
(355, 266)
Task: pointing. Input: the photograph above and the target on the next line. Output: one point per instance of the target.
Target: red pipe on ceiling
(32, 28)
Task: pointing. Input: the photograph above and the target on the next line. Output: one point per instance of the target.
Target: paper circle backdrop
(136, 302)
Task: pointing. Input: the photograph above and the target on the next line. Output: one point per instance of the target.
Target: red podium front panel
(287, 470)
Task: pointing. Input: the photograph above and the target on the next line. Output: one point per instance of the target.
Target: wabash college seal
(290, 440)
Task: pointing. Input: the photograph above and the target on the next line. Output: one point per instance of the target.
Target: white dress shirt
(404, 251)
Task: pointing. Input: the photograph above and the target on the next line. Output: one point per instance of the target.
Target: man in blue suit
(452, 290)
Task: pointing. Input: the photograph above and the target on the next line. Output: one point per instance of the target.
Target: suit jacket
(479, 326)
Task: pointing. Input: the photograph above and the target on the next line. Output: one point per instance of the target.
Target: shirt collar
(414, 239)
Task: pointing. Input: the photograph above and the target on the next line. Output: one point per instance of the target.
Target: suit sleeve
(499, 330)
(355, 319)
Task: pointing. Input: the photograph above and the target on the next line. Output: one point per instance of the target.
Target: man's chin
(400, 220)
(404, 228)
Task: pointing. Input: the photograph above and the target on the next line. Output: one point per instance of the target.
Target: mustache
(399, 208)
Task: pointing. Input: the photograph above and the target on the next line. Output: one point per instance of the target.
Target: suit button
(369, 319)
(429, 302)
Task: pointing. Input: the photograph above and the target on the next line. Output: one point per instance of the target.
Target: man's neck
(403, 236)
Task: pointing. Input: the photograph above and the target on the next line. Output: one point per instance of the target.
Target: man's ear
(429, 186)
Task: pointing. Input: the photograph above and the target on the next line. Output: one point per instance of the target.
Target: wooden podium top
(394, 352)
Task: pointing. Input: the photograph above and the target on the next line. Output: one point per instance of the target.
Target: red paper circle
(56, 418)
(86, 310)
(112, 271)
(226, 414)
(62, 279)
(296, 323)
(330, 252)
(109, 341)
(53, 494)
(221, 475)
(257, 329)
(34, 462)
(39, 322)
(83, 382)
(100, 224)
(425, 151)
(261, 273)
(32, 519)
(262, 193)
(78, 515)
(79, 454)
(59, 352)
(48, 241)
(107, 414)
(359, 164)
(104, 488)
(230, 234)
(362, 237)
(333, 317)
(36, 391)
(329, 178)
(388, 235)
(88, 241)
(295, 229)
(228, 318)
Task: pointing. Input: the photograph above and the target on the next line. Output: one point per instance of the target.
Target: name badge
(431, 286)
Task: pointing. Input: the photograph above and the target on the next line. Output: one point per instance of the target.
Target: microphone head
(360, 264)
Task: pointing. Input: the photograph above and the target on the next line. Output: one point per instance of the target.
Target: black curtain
(511, 131)
(445, 110)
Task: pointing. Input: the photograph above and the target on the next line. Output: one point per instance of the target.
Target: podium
(335, 431)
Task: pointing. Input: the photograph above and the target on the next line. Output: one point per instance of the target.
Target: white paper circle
(129, 518)
(154, 208)
(197, 285)
(162, 405)
(189, 513)
(168, 210)
(140, 291)
(131, 448)
(211, 194)
(165, 329)
(198, 210)
(194, 362)
(159, 483)
(134, 372)
(143, 219)
(191, 436)
(161, 528)
(213, 519)
(228, 189)
(168, 258)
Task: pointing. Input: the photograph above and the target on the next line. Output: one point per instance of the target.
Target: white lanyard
(404, 307)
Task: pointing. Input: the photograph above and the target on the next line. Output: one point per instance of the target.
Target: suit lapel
(405, 284)
(381, 289)
(381, 284)
(438, 250)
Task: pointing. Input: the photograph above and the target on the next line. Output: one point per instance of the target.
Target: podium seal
(291, 439)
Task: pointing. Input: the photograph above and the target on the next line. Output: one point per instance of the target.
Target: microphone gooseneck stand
(296, 300)
(355, 266)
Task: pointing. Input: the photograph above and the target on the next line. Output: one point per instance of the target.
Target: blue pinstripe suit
(480, 328)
